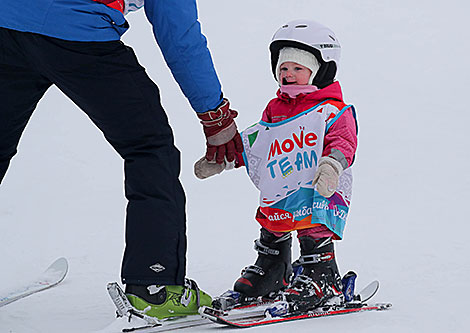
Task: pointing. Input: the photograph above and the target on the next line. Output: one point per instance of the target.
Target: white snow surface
(403, 66)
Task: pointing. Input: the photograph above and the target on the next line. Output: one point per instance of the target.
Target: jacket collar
(332, 91)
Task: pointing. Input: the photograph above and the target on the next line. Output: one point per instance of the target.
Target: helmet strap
(323, 77)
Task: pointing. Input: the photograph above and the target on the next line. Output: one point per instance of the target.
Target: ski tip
(60, 266)
(369, 291)
(375, 284)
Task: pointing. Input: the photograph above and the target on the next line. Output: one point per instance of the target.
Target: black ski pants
(106, 81)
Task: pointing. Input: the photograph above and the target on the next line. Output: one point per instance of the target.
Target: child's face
(294, 73)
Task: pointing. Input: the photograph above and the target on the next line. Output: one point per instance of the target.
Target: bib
(281, 160)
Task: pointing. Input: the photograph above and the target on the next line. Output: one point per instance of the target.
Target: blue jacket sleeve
(184, 47)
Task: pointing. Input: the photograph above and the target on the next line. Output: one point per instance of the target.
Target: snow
(402, 67)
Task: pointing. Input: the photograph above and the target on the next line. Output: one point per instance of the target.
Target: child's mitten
(327, 175)
(204, 169)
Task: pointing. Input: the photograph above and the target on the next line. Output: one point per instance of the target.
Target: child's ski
(259, 319)
(53, 275)
(278, 312)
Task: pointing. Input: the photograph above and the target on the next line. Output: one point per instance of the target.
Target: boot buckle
(263, 249)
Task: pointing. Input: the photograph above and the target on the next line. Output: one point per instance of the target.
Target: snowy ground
(403, 67)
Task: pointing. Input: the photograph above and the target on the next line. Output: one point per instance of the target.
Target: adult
(75, 45)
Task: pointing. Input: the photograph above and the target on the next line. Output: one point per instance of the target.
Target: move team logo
(280, 163)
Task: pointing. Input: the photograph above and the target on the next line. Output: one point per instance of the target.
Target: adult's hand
(222, 137)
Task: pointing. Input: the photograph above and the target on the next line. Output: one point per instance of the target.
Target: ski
(52, 276)
(198, 321)
(129, 319)
(278, 312)
(137, 320)
(259, 319)
(132, 320)
(232, 300)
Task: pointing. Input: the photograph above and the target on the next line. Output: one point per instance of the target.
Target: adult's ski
(129, 319)
(52, 276)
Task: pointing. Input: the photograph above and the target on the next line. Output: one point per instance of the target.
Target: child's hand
(204, 169)
(327, 176)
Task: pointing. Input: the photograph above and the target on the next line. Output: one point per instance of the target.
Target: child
(298, 156)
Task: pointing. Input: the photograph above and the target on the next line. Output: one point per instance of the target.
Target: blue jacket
(175, 27)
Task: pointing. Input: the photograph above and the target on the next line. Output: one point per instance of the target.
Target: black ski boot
(272, 270)
(319, 282)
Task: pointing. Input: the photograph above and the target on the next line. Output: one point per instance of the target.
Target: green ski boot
(168, 301)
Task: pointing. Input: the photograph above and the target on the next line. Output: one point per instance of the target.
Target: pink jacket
(342, 135)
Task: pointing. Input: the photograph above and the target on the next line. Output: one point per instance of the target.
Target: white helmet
(314, 38)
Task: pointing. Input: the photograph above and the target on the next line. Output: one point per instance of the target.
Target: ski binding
(279, 310)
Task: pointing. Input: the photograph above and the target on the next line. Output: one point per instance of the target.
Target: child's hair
(313, 38)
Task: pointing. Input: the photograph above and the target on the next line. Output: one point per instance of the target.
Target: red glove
(223, 139)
